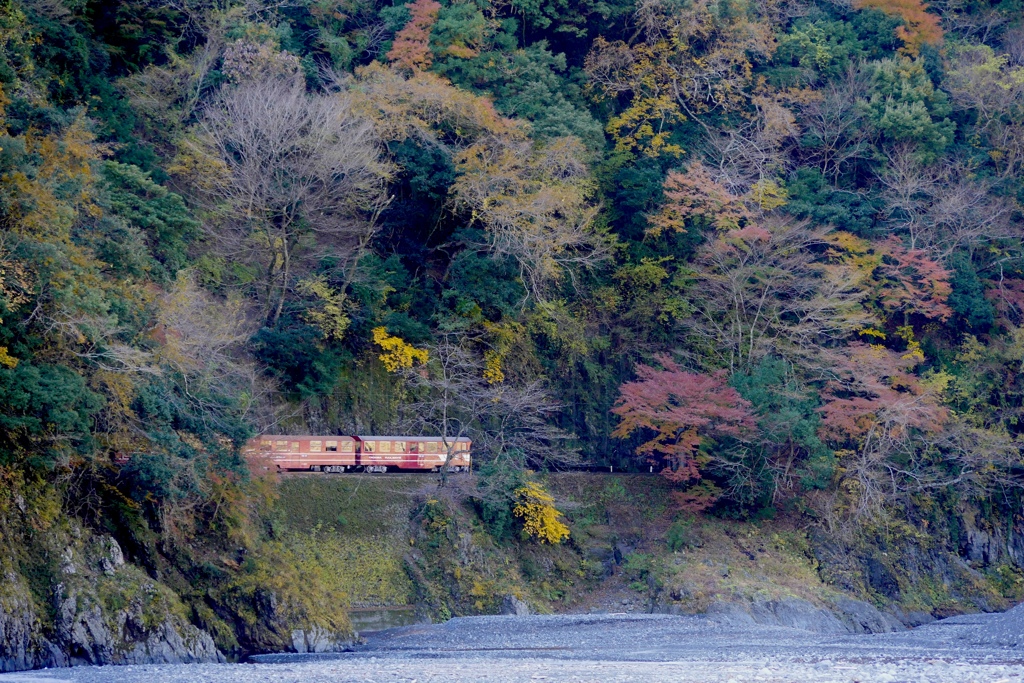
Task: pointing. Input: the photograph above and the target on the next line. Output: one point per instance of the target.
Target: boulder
(316, 639)
(513, 606)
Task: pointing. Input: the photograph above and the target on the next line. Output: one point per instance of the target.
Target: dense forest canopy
(770, 247)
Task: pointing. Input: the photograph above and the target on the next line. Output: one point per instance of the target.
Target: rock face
(316, 639)
(863, 617)
(846, 616)
(22, 645)
(148, 629)
(174, 643)
(93, 636)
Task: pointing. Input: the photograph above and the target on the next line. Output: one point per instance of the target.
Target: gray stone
(89, 636)
(913, 618)
(801, 614)
(318, 640)
(730, 614)
(111, 556)
(512, 605)
(67, 561)
(174, 643)
(22, 645)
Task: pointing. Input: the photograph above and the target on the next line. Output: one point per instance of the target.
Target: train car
(358, 453)
(312, 453)
(378, 453)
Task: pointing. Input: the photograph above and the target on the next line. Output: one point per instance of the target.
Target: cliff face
(101, 611)
(22, 644)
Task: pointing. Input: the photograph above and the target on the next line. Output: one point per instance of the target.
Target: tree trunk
(284, 286)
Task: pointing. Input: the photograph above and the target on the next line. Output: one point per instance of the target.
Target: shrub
(541, 519)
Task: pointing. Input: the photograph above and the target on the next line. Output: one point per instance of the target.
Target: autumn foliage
(678, 410)
(696, 195)
(900, 280)
(875, 390)
(772, 246)
(920, 27)
(411, 49)
(541, 519)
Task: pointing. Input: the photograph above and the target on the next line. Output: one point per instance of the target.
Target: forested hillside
(771, 248)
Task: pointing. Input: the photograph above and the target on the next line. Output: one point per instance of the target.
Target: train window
(315, 446)
(332, 446)
(369, 446)
(265, 445)
(385, 446)
(431, 447)
(280, 445)
(399, 447)
(295, 446)
(346, 446)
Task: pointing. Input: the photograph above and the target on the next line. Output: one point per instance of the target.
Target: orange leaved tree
(919, 27)
(411, 49)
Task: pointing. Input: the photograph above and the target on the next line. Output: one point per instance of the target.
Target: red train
(360, 453)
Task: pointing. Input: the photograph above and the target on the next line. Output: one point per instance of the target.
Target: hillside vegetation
(770, 249)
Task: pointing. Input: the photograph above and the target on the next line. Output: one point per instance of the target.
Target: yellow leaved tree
(396, 353)
(541, 519)
(687, 60)
(537, 205)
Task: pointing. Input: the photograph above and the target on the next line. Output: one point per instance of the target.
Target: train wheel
(314, 468)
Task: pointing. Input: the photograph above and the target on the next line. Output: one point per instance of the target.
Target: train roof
(304, 436)
(369, 437)
(410, 438)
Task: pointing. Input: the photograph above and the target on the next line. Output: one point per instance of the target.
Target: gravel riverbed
(621, 647)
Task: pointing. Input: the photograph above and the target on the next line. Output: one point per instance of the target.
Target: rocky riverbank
(102, 611)
(622, 647)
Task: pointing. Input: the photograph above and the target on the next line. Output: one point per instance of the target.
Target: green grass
(355, 505)
(357, 528)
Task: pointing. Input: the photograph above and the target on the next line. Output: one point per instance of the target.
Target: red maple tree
(913, 282)
(876, 394)
(695, 194)
(681, 408)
